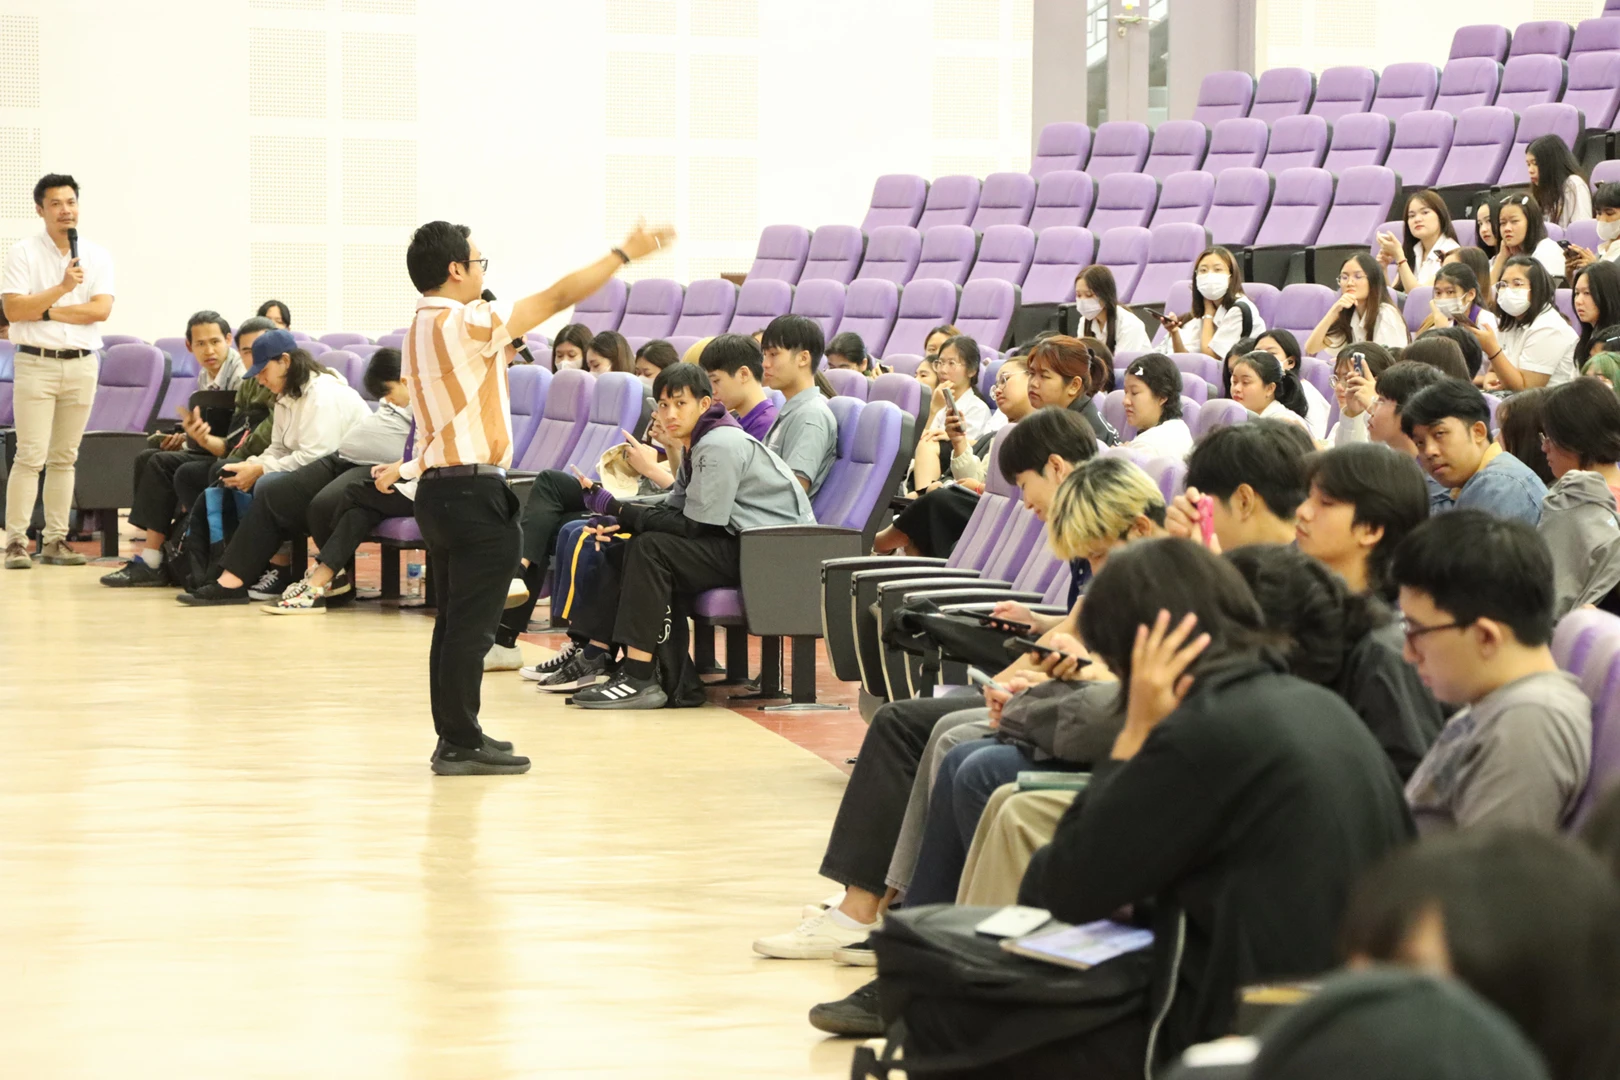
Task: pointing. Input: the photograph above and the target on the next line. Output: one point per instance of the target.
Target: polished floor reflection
(222, 855)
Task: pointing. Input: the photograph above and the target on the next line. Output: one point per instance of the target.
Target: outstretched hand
(644, 241)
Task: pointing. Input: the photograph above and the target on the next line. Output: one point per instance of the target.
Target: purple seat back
(565, 412)
(1576, 634)
(1185, 197)
(1550, 37)
(847, 383)
(1223, 95)
(1404, 88)
(1483, 39)
(183, 374)
(1298, 207)
(822, 301)
(892, 253)
(897, 199)
(991, 515)
(900, 390)
(127, 387)
(1112, 408)
(351, 366)
(109, 340)
(392, 341)
(8, 373)
(1124, 251)
(1282, 91)
(1124, 199)
(1479, 148)
(1605, 172)
(835, 254)
(1466, 83)
(780, 256)
(1365, 196)
(1342, 90)
(1204, 368)
(1221, 412)
(1359, 139)
(1172, 250)
(1061, 252)
(1536, 121)
(616, 406)
(1601, 682)
(1237, 143)
(604, 308)
(985, 311)
(1264, 297)
(1583, 233)
(343, 338)
(707, 308)
(952, 200)
(177, 350)
(1417, 308)
(758, 302)
(1300, 307)
(1061, 146)
(317, 348)
(1534, 79)
(527, 386)
(1242, 197)
(1422, 141)
(1319, 373)
(947, 254)
(1005, 252)
(1177, 299)
(868, 441)
(1007, 198)
(1178, 146)
(1564, 299)
(1594, 85)
(1594, 36)
(1296, 142)
(1169, 473)
(652, 309)
(298, 335)
(364, 352)
(925, 304)
(1063, 198)
(870, 306)
(1119, 146)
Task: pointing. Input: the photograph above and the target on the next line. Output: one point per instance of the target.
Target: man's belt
(55, 354)
(450, 472)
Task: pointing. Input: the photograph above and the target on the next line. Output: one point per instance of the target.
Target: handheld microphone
(73, 243)
(519, 344)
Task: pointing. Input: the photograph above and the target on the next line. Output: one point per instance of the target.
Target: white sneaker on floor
(503, 658)
(815, 939)
(542, 671)
(812, 910)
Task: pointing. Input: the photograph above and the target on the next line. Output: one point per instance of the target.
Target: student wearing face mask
(1221, 312)
(1429, 236)
(1096, 297)
(1536, 347)
(1363, 311)
(1480, 263)
(1455, 300)
(568, 349)
(1606, 209)
(1523, 231)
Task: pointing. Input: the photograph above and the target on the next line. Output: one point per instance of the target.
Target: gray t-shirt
(1518, 756)
(378, 438)
(737, 483)
(805, 436)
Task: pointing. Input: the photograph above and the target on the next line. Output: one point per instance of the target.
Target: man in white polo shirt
(56, 303)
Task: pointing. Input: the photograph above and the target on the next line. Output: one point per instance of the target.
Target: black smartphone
(1006, 626)
(1157, 313)
(1565, 244)
(1030, 645)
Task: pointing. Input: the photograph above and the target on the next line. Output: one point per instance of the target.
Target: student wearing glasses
(1363, 311)
(957, 366)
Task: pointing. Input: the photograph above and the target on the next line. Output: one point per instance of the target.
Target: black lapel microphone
(519, 344)
(73, 243)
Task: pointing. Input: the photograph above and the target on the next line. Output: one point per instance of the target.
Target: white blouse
(1577, 202)
(1545, 346)
(1169, 438)
(1550, 256)
(1427, 267)
(975, 416)
(1317, 410)
(1389, 331)
(1278, 411)
(1129, 333)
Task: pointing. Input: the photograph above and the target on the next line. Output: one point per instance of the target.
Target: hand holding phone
(1206, 515)
(1030, 645)
(950, 400)
(979, 678)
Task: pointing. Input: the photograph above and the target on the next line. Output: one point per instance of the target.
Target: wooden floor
(222, 856)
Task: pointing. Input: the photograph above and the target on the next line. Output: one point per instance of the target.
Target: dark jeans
(470, 525)
(156, 502)
(348, 510)
(636, 591)
(874, 804)
(278, 512)
(554, 499)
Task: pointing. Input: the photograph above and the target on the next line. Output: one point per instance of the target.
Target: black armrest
(106, 469)
(981, 608)
(781, 597)
(835, 621)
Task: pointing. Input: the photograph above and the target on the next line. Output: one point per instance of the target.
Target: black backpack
(196, 554)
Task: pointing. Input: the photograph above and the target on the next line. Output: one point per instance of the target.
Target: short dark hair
(1583, 417)
(1268, 455)
(616, 348)
(1386, 487)
(1163, 380)
(1455, 398)
(202, 318)
(1401, 382)
(658, 352)
(968, 350)
(731, 353)
(1606, 197)
(256, 325)
(1474, 566)
(850, 346)
(286, 313)
(53, 180)
(1309, 605)
(434, 247)
(1440, 353)
(677, 377)
(796, 333)
(382, 368)
(1286, 340)
(1473, 355)
(1046, 431)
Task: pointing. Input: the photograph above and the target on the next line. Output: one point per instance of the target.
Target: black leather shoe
(854, 1015)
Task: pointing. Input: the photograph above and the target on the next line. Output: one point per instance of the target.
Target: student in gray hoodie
(1580, 423)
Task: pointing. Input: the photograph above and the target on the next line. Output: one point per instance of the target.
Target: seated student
(1096, 298)
(686, 543)
(1440, 353)
(315, 410)
(609, 351)
(1263, 386)
(1580, 524)
(1363, 312)
(276, 313)
(1456, 300)
(1518, 430)
(1069, 373)
(937, 337)
(1603, 362)
(1371, 407)
(1429, 236)
(1248, 783)
(1364, 498)
(1153, 407)
(805, 434)
(1479, 263)
(847, 350)
(1221, 312)
(926, 374)
(1606, 208)
(1255, 474)
(161, 495)
(651, 358)
(1450, 426)
(1473, 356)
(568, 348)
(957, 366)
(1485, 231)
(1355, 370)
(1596, 297)
(1535, 345)
(1285, 347)
(736, 372)
(1476, 592)
(1556, 181)
(1521, 227)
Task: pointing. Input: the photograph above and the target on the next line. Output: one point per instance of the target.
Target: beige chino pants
(52, 401)
(1015, 825)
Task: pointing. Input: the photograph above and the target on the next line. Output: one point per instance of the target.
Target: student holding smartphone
(1223, 315)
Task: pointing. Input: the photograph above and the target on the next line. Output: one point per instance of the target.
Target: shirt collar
(423, 302)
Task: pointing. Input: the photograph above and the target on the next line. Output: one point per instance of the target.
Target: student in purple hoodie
(736, 371)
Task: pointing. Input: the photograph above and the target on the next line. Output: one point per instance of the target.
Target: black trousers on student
(936, 520)
(191, 478)
(470, 524)
(554, 499)
(347, 510)
(280, 511)
(156, 502)
(634, 594)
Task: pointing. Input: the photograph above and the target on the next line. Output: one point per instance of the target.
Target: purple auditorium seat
(758, 302)
(8, 373)
(1237, 143)
(1193, 386)
(925, 304)
(1124, 199)
(1063, 198)
(109, 340)
(1062, 147)
(1112, 408)
(781, 253)
(870, 307)
(903, 363)
(1300, 307)
(835, 254)
(315, 348)
(343, 338)
(1605, 172)
(1178, 146)
(526, 388)
(1296, 142)
(822, 301)
(1185, 197)
(1342, 90)
(1416, 309)
(1219, 413)
(1564, 300)
(706, 309)
(900, 390)
(1575, 636)
(563, 416)
(364, 352)
(1467, 231)
(1362, 202)
(1594, 36)
(1485, 39)
(1594, 86)
(298, 335)
(985, 311)
(615, 408)
(1467, 83)
(1204, 368)
(987, 373)
(947, 254)
(1583, 233)
(129, 384)
(183, 373)
(1061, 252)
(1601, 682)
(651, 311)
(394, 341)
(1177, 299)
(1007, 198)
(1479, 148)
(604, 308)
(1538, 120)
(1422, 141)
(176, 347)
(897, 199)
(952, 200)
(349, 365)
(1405, 88)
(891, 254)
(1124, 251)
(1359, 139)
(1119, 146)
(1242, 197)
(1282, 91)
(1299, 205)
(1223, 95)
(1172, 250)
(1551, 37)
(847, 383)
(1264, 297)
(1536, 79)
(1319, 373)
(1005, 252)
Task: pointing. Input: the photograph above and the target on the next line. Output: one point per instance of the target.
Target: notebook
(1083, 946)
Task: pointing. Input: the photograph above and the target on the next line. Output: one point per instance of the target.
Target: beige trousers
(1014, 825)
(52, 401)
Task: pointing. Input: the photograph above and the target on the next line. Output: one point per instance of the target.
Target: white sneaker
(300, 599)
(517, 594)
(812, 910)
(816, 939)
(542, 671)
(503, 658)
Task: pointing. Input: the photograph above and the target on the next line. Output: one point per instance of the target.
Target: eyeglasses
(1413, 630)
(952, 363)
(483, 264)
(1351, 279)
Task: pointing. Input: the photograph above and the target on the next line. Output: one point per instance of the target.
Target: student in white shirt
(1222, 313)
(1263, 386)
(958, 370)
(1429, 236)
(1485, 227)
(1097, 299)
(1153, 407)
(1556, 182)
(1363, 311)
(1597, 305)
(1522, 230)
(1606, 209)
(1535, 347)
(1455, 300)
(1285, 347)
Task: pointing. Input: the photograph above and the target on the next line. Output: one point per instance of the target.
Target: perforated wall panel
(377, 293)
(287, 180)
(641, 95)
(295, 273)
(287, 73)
(1571, 11)
(966, 20)
(379, 182)
(967, 100)
(379, 7)
(980, 165)
(641, 187)
(1346, 26)
(725, 18)
(19, 61)
(379, 77)
(1287, 24)
(287, 5)
(20, 168)
(724, 97)
(723, 198)
(641, 16)
(1022, 15)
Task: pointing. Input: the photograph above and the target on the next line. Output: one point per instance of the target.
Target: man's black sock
(592, 651)
(640, 670)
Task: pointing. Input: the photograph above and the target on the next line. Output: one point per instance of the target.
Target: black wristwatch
(47, 316)
(620, 253)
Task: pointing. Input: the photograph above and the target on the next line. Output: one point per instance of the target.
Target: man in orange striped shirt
(454, 362)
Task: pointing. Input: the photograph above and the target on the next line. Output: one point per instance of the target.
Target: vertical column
(1058, 68)
(1206, 36)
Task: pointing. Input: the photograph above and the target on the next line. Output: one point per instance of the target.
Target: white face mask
(1608, 230)
(647, 381)
(1213, 286)
(1513, 301)
(1450, 306)
(1090, 307)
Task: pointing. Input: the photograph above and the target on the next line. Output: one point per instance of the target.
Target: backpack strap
(1246, 306)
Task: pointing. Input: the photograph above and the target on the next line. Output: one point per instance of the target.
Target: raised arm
(531, 311)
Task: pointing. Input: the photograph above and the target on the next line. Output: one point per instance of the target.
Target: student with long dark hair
(1556, 181)
(1518, 430)
(1429, 236)
(1455, 300)
(568, 348)
(1285, 347)
(1262, 385)
(1221, 311)
(1097, 298)
(1485, 233)
(1521, 230)
(1596, 294)
(1480, 263)
(609, 351)
(1535, 345)
(1363, 311)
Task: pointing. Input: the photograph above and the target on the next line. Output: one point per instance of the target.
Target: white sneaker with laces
(299, 599)
(815, 939)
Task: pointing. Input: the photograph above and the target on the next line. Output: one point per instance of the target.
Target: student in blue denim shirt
(1450, 425)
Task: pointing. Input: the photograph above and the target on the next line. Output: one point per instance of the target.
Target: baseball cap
(268, 346)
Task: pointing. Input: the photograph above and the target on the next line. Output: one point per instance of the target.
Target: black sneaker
(854, 1015)
(577, 673)
(213, 594)
(540, 672)
(860, 954)
(623, 692)
(275, 581)
(135, 574)
(489, 744)
(450, 760)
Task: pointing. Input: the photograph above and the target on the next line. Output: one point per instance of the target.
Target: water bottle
(413, 581)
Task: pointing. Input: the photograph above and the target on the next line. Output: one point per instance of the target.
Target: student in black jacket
(1238, 808)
